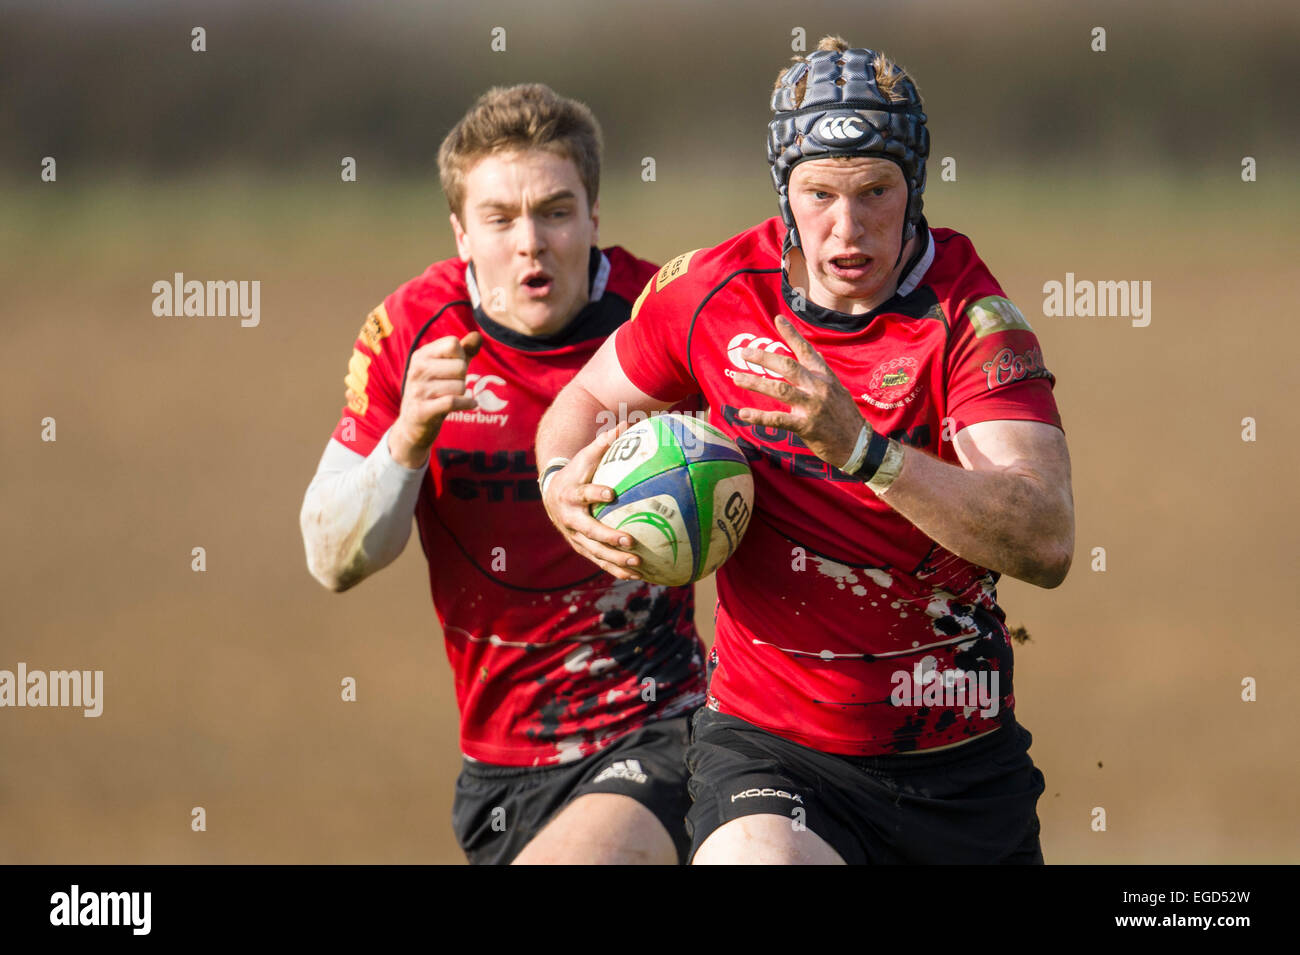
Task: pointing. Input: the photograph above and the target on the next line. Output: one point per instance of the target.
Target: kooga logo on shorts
(765, 791)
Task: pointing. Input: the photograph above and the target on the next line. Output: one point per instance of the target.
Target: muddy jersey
(552, 657)
(840, 625)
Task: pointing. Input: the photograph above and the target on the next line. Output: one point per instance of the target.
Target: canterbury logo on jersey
(840, 128)
(750, 340)
(477, 387)
(623, 769)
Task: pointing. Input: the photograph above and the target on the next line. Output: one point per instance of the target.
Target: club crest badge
(894, 383)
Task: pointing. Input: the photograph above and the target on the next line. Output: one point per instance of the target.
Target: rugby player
(573, 688)
(907, 452)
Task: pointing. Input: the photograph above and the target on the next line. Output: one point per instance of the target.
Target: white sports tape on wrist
(855, 460)
(889, 468)
(546, 473)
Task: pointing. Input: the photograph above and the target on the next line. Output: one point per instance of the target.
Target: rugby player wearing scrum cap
(907, 452)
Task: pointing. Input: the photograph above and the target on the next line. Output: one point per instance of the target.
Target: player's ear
(595, 223)
(462, 240)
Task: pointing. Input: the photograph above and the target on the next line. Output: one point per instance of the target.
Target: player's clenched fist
(568, 496)
(435, 387)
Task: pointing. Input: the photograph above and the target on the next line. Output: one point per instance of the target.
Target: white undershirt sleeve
(356, 515)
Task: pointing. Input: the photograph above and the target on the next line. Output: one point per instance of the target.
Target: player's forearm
(1010, 521)
(356, 515)
(569, 425)
(408, 450)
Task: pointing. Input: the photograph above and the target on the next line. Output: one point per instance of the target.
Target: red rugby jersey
(832, 593)
(552, 657)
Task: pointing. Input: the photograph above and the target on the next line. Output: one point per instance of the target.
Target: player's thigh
(601, 829)
(764, 839)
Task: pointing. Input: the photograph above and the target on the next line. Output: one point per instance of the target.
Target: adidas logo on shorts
(623, 769)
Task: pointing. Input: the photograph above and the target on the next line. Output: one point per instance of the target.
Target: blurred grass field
(222, 688)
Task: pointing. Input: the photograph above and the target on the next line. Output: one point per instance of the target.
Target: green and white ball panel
(642, 450)
(684, 494)
(728, 514)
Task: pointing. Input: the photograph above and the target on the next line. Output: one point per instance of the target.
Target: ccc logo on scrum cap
(750, 340)
(840, 128)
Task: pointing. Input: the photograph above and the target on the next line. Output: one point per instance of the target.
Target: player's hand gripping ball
(683, 493)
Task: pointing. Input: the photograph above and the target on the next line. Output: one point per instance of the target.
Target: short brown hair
(528, 116)
(886, 78)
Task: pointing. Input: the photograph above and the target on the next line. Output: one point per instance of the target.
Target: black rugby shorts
(974, 804)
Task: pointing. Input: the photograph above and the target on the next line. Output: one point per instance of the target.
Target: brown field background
(222, 688)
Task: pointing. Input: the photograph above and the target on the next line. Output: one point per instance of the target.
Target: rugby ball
(683, 493)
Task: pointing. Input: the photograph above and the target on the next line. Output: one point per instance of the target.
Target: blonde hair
(888, 73)
(528, 116)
